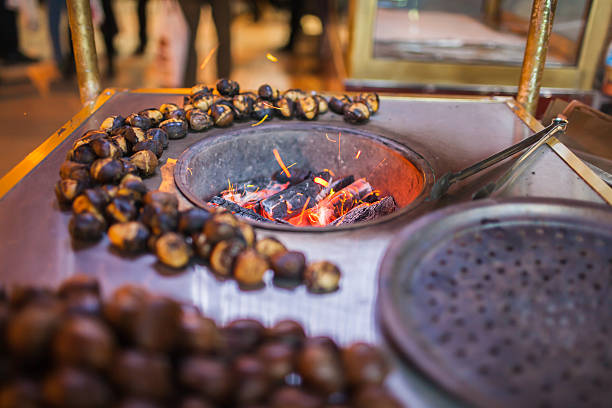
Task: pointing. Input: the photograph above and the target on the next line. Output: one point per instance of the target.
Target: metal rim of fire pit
(470, 294)
(414, 157)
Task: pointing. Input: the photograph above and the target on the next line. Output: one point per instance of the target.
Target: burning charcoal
(67, 190)
(320, 367)
(266, 92)
(371, 100)
(202, 101)
(364, 364)
(106, 171)
(288, 332)
(154, 115)
(193, 220)
(295, 198)
(172, 250)
(278, 358)
(250, 267)
(138, 121)
(166, 108)
(367, 212)
(322, 277)
(332, 207)
(356, 113)
(121, 210)
(143, 374)
(199, 120)
(261, 110)
(251, 383)
(75, 171)
(307, 108)
(222, 115)
(338, 105)
(323, 106)
(122, 144)
(335, 186)
(224, 254)
(85, 342)
(288, 266)
(112, 123)
(146, 162)
(374, 396)
(209, 377)
(149, 144)
(106, 148)
(297, 176)
(285, 108)
(270, 247)
(202, 245)
(69, 387)
(295, 398)
(294, 94)
(227, 87)
(174, 128)
(238, 210)
(159, 135)
(243, 105)
(129, 236)
(86, 227)
(199, 334)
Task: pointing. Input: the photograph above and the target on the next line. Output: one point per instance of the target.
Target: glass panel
(473, 31)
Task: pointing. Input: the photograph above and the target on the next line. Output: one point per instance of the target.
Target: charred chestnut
(123, 307)
(149, 144)
(202, 245)
(75, 171)
(82, 154)
(157, 324)
(121, 209)
(122, 143)
(166, 108)
(250, 380)
(84, 341)
(93, 200)
(284, 108)
(88, 137)
(224, 254)
(161, 199)
(129, 236)
(193, 220)
(288, 332)
(202, 100)
(364, 364)
(71, 388)
(86, 227)
(129, 167)
(371, 99)
(269, 247)
(112, 123)
(154, 115)
(322, 277)
(207, 376)
(243, 335)
(247, 233)
(339, 104)
(357, 112)
(222, 115)
(172, 250)
(306, 108)
(199, 120)
(320, 367)
(321, 103)
(199, 334)
(288, 266)
(294, 94)
(147, 375)
(261, 110)
(180, 114)
(243, 105)
(107, 170)
(132, 134)
(278, 358)
(139, 121)
(158, 219)
(174, 128)
(266, 92)
(221, 227)
(104, 148)
(227, 87)
(146, 162)
(158, 135)
(67, 190)
(249, 268)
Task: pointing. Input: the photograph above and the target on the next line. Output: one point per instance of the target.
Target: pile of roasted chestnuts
(70, 348)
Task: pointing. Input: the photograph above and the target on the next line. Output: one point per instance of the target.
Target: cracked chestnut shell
(243, 105)
(321, 103)
(138, 121)
(172, 250)
(132, 134)
(339, 104)
(261, 109)
(149, 144)
(250, 267)
(224, 254)
(202, 100)
(227, 87)
(201, 88)
(146, 162)
(199, 120)
(112, 123)
(107, 171)
(121, 209)
(167, 108)
(269, 247)
(67, 190)
(121, 143)
(174, 128)
(129, 236)
(75, 171)
(202, 245)
(221, 227)
(180, 114)
(154, 115)
(159, 135)
(322, 277)
(294, 94)
(82, 154)
(104, 148)
(86, 227)
(222, 114)
(192, 220)
(357, 112)
(371, 99)
(284, 108)
(306, 108)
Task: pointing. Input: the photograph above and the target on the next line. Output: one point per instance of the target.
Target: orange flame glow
(321, 182)
(280, 163)
(271, 57)
(357, 155)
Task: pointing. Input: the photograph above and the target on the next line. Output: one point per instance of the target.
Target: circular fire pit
(212, 164)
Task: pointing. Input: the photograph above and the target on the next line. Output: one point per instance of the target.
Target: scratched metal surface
(36, 247)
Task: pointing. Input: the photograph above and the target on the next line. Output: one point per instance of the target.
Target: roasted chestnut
(157, 324)
(294, 94)
(222, 114)
(243, 335)
(107, 170)
(243, 105)
(278, 358)
(247, 233)
(250, 267)
(269, 247)
(357, 112)
(227, 87)
(374, 396)
(30, 332)
(288, 266)
(159, 135)
(179, 114)
(70, 387)
(154, 115)
(79, 283)
(193, 401)
(139, 121)
(132, 134)
(123, 307)
(192, 221)
(284, 108)
(143, 374)
(82, 154)
(86, 227)
(321, 103)
(174, 128)
(20, 393)
(261, 110)
(82, 304)
(199, 120)
(122, 143)
(202, 245)
(364, 364)
(371, 99)
(67, 190)
(163, 200)
(159, 220)
(200, 88)
(306, 108)
(75, 171)
(129, 167)
(146, 162)
(320, 367)
(266, 92)
(88, 137)
(149, 144)
(166, 108)
(121, 209)
(112, 123)
(294, 397)
(209, 377)
(224, 254)
(200, 334)
(104, 148)
(288, 332)
(202, 101)
(84, 341)
(172, 250)
(339, 104)
(251, 383)
(221, 227)
(322, 277)
(132, 187)
(129, 236)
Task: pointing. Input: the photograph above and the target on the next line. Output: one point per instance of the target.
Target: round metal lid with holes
(506, 303)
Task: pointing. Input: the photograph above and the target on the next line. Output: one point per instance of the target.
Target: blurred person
(109, 29)
(9, 37)
(64, 63)
(221, 14)
(142, 26)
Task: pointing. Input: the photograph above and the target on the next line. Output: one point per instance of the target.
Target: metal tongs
(441, 186)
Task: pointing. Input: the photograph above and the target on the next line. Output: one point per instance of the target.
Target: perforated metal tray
(506, 303)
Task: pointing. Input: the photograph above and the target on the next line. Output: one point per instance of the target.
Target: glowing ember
(357, 155)
(271, 57)
(261, 121)
(321, 181)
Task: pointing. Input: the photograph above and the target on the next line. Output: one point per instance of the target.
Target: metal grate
(509, 311)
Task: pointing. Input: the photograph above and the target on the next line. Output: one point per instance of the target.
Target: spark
(377, 166)
(269, 105)
(331, 140)
(189, 170)
(339, 135)
(271, 57)
(321, 181)
(291, 165)
(357, 155)
(280, 162)
(208, 57)
(261, 121)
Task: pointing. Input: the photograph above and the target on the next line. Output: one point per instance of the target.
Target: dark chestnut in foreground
(86, 227)
(174, 128)
(227, 87)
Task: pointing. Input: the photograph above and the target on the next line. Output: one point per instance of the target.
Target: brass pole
(492, 13)
(542, 15)
(81, 27)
